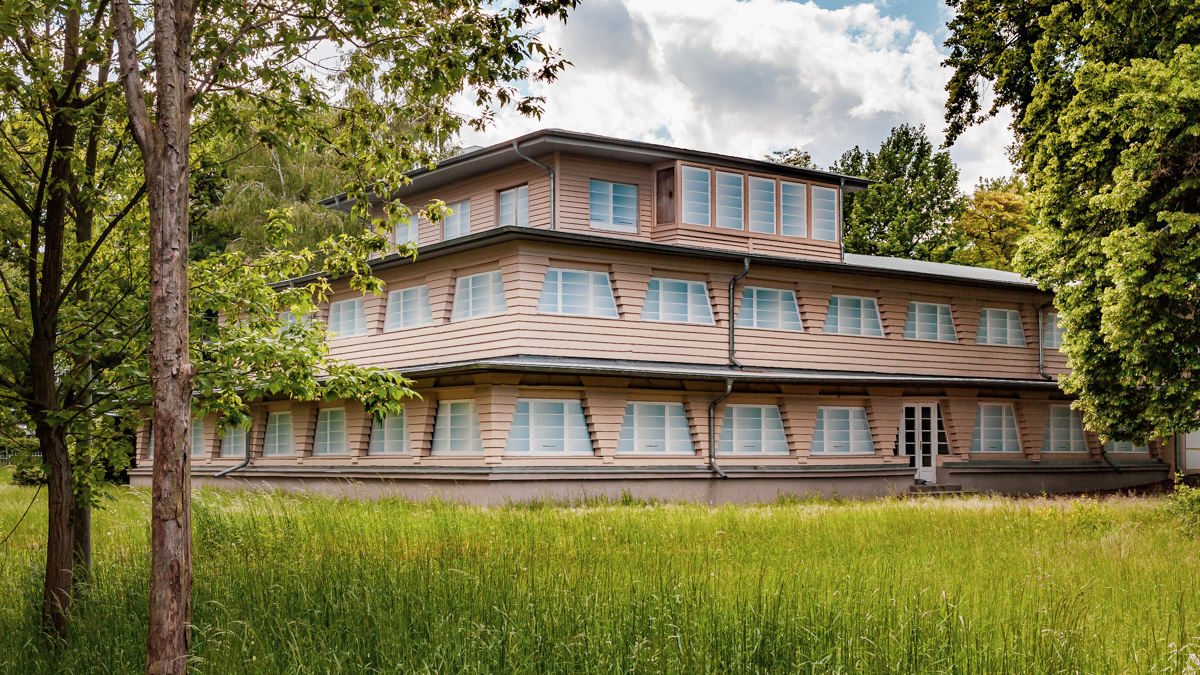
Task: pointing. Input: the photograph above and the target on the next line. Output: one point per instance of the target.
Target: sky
(750, 77)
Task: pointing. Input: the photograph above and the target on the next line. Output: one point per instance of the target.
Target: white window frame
(735, 438)
(1124, 447)
(603, 194)
(458, 222)
(1064, 430)
(470, 302)
(600, 301)
(642, 434)
(991, 319)
(730, 199)
(696, 311)
(917, 326)
(331, 437)
(840, 316)
(408, 308)
(449, 437)
(1052, 331)
(689, 174)
(390, 437)
(764, 217)
(512, 207)
(748, 315)
(196, 437)
(280, 437)
(358, 319)
(549, 427)
(407, 230)
(1009, 441)
(233, 443)
(821, 228)
(857, 434)
(787, 225)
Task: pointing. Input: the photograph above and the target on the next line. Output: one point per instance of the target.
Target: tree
(992, 223)
(1105, 103)
(401, 61)
(793, 157)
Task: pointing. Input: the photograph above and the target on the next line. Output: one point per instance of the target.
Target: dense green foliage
(1106, 99)
(305, 584)
(993, 221)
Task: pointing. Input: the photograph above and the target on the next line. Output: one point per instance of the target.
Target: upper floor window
(389, 436)
(197, 436)
(793, 209)
(995, 429)
(514, 207)
(1000, 327)
(842, 430)
(613, 206)
(408, 308)
(279, 439)
(754, 429)
(542, 426)
(762, 205)
(655, 428)
(675, 300)
(697, 195)
(825, 213)
(1064, 430)
(730, 207)
(234, 442)
(929, 321)
(852, 315)
(478, 295)
(456, 428)
(577, 292)
(769, 308)
(407, 230)
(1124, 446)
(458, 222)
(1052, 331)
(331, 432)
(346, 318)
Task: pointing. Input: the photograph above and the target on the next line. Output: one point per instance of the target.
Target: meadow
(311, 584)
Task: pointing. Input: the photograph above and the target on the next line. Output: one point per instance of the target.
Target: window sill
(609, 227)
(680, 323)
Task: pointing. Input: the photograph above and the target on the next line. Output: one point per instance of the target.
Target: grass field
(306, 584)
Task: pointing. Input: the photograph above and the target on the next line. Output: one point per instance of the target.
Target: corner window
(578, 293)
(458, 222)
(762, 205)
(233, 444)
(456, 429)
(1124, 446)
(825, 216)
(390, 436)
(1052, 331)
(196, 431)
(675, 300)
(793, 209)
(408, 308)
(478, 295)
(543, 426)
(1064, 431)
(613, 206)
(929, 321)
(406, 231)
(655, 428)
(279, 439)
(730, 205)
(346, 319)
(1000, 327)
(995, 429)
(697, 195)
(331, 432)
(514, 207)
(752, 429)
(843, 431)
(852, 315)
(769, 308)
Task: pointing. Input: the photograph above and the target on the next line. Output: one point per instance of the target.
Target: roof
(922, 267)
(546, 141)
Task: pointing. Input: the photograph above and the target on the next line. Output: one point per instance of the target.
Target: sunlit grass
(308, 584)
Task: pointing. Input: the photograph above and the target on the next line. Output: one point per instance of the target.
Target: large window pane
(577, 292)
(545, 426)
(768, 308)
(929, 321)
(456, 429)
(478, 295)
(824, 217)
(458, 223)
(233, 444)
(762, 205)
(331, 432)
(852, 315)
(408, 308)
(1000, 327)
(842, 430)
(730, 203)
(677, 300)
(752, 429)
(1052, 331)
(514, 207)
(697, 195)
(1064, 431)
(196, 430)
(995, 429)
(389, 436)
(655, 428)
(346, 319)
(613, 206)
(279, 439)
(793, 209)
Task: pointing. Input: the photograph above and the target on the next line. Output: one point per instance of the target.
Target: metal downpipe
(712, 428)
(553, 194)
(732, 283)
(244, 464)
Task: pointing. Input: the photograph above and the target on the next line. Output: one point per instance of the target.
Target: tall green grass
(308, 584)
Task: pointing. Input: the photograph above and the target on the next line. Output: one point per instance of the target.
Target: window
(1064, 431)
(824, 217)
(577, 292)
(408, 308)
(655, 428)
(729, 200)
(762, 205)
(851, 315)
(346, 319)
(458, 222)
(389, 436)
(514, 207)
(456, 428)
(842, 430)
(1052, 331)
(150, 444)
(543, 426)
(768, 308)
(696, 195)
(1124, 446)
(197, 437)
(929, 321)
(756, 429)
(234, 442)
(331, 432)
(478, 295)
(675, 300)
(793, 209)
(1000, 327)
(995, 429)
(407, 230)
(279, 439)
(613, 206)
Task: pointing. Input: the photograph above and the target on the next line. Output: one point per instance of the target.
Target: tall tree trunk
(56, 593)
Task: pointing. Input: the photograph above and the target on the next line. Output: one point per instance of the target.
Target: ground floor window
(456, 428)
(234, 442)
(1064, 431)
(279, 439)
(389, 436)
(1124, 446)
(196, 431)
(331, 432)
(754, 429)
(655, 428)
(995, 429)
(544, 426)
(842, 430)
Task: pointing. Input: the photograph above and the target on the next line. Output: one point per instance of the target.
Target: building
(571, 332)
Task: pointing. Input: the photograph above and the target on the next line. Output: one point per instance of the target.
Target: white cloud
(745, 78)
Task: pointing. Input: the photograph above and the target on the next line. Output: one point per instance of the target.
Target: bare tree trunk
(56, 593)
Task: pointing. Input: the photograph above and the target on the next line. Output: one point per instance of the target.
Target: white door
(923, 437)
